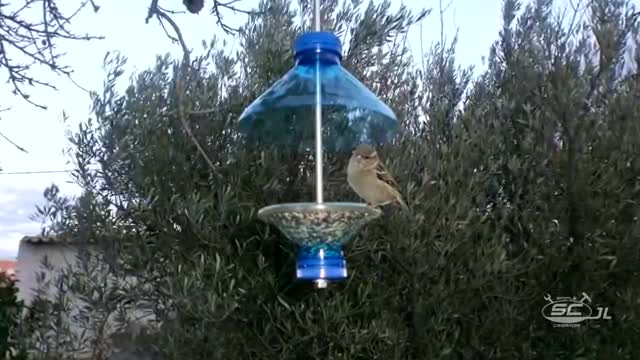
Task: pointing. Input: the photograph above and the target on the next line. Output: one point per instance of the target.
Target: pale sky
(42, 132)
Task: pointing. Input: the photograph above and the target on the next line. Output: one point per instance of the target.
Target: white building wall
(29, 264)
(60, 256)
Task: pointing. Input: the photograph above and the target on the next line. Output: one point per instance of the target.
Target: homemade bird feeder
(319, 105)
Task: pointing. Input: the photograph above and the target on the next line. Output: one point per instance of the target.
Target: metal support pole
(319, 156)
(316, 18)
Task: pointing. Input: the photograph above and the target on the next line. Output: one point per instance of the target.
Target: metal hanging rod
(319, 156)
(316, 18)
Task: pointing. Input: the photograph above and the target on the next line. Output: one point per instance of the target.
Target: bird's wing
(384, 175)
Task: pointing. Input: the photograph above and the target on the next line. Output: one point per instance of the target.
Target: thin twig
(78, 85)
(422, 55)
(182, 116)
(442, 11)
(166, 32)
(163, 16)
(180, 80)
(172, 12)
(574, 17)
(14, 144)
(215, 10)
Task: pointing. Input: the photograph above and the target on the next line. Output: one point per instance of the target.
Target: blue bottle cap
(321, 40)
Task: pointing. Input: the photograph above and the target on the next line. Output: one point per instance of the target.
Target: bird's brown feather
(384, 175)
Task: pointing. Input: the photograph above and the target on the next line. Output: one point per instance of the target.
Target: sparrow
(368, 177)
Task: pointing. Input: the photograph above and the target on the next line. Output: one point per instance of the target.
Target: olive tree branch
(12, 143)
(181, 74)
(24, 43)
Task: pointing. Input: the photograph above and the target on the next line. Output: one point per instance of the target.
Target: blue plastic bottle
(351, 113)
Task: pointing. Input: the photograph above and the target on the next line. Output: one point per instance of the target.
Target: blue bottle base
(321, 263)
